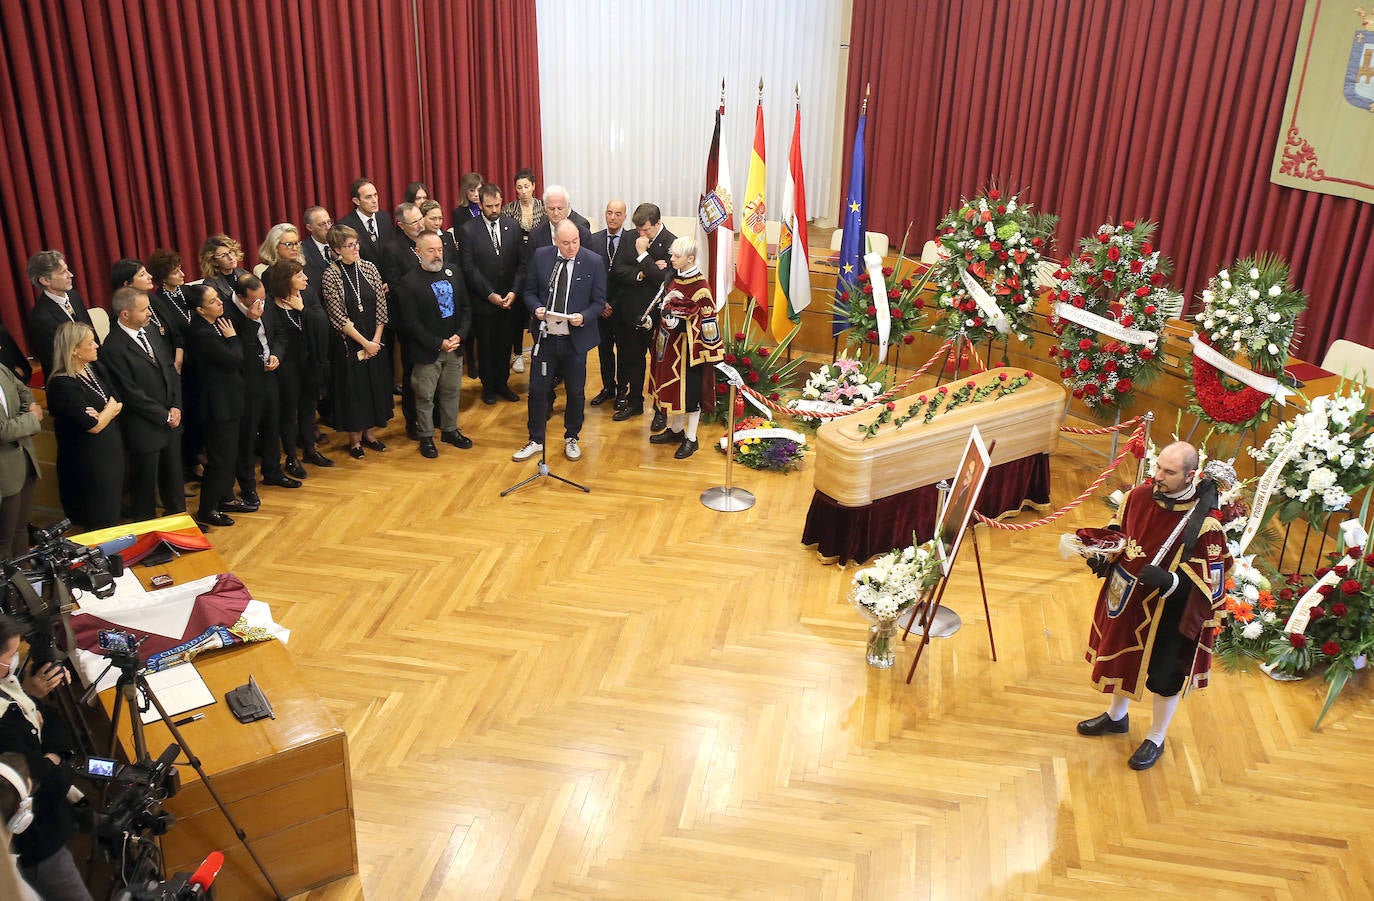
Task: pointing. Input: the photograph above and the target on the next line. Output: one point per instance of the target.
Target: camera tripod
(130, 683)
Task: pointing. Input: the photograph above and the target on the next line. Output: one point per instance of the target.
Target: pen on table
(189, 719)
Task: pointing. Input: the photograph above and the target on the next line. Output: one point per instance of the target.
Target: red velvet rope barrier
(1135, 444)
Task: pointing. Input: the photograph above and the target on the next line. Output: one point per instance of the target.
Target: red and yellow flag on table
(751, 272)
(792, 293)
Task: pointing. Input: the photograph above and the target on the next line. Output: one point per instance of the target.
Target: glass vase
(881, 653)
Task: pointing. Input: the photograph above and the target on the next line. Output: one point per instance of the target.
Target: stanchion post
(727, 498)
(1145, 420)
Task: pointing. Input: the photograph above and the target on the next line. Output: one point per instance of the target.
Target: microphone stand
(543, 470)
(727, 498)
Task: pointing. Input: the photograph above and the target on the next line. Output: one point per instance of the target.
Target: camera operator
(16, 815)
(46, 863)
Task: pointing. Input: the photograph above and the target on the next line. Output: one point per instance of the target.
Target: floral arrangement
(906, 305)
(764, 369)
(999, 242)
(839, 386)
(1249, 310)
(1119, 276)
(896, 581)
(1253, 616)
(943, 400)
(778, 453)
(1333, 458)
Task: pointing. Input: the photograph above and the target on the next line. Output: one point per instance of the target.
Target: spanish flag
(751, 272)
(793, 290)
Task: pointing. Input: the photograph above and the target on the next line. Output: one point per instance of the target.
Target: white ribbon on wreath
(1104, 326)
(1268, 484)
(1353, 535)
(746, 434)
(882, 313)
(986, 305)
(1262, 383)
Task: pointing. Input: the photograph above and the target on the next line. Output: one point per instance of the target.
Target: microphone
(205, 874)
(115, 545)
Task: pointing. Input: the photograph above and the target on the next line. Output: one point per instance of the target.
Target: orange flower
(1244, 612)
(1230, 584)
(1266, 600)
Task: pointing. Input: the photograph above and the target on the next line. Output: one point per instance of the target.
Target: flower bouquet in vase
(895, 582)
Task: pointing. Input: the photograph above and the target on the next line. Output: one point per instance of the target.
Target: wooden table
(285, 780)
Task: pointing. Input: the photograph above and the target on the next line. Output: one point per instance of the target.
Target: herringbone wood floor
(625, 695)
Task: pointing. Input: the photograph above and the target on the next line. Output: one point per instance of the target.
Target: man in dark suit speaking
(565, 290)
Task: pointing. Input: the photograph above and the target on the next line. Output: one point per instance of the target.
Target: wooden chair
(1350, 360)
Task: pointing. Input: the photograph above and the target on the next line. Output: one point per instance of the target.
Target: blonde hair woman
(90, 452)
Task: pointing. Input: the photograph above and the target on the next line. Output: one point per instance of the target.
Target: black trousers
(156, 472)
(221, 449)
(297, 401)
(605, 352)
(261, 418)
(632, 350)
(1171, 658)
(557, 358)
(492, 337)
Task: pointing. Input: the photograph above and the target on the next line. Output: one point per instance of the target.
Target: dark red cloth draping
(857, 533)
(1101, 109)
(127, 125)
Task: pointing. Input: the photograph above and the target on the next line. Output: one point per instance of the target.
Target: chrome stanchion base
(727, 500)
(945, 623)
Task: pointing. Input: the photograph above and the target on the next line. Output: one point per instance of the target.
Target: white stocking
(1119, 706)
(692, 419)
(1163, 713)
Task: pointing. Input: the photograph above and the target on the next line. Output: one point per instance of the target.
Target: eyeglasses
(223, 255)
(292, 244)
(351, 245)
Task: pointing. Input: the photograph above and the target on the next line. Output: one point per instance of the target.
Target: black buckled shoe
(1146, 755)
(1102, 724)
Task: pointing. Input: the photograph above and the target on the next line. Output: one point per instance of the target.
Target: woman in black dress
(354, 298)
(214, 376)
(297, 318)
(90, 453)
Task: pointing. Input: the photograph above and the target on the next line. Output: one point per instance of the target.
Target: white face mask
(13, 665)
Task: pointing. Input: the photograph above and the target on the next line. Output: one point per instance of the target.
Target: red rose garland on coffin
(1120, 277)
(1249, 310)
(999, 241)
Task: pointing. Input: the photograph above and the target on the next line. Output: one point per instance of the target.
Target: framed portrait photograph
(963, 495)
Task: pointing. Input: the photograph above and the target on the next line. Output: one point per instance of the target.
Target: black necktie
(372, 228)
(147, 348)
(560, 295)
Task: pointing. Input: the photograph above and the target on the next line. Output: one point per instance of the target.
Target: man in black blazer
(141, 365)
(58, 303)
(492, 251)
(610, 242)
(315, 249)
(557, 207)
(565, 290)
(640, 276)
(261, 419)
(368, 221)
(398, 261)
(435, 318)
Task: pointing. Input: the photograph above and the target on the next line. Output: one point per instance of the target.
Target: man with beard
(434, 319)
(398, 261)
(492, 252)
(1153, 625)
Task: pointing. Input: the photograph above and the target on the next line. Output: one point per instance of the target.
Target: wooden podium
(285, 780)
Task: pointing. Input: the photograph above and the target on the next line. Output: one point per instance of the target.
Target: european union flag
(852, 244)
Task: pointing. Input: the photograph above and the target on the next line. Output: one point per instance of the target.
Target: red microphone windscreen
(205, 874)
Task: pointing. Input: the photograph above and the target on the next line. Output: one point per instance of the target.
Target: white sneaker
(518, 365)
(571, 450)
(529, 450)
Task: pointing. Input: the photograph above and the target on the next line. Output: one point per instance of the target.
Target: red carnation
(773, 395)
(1029, 375)
(919, 304)
(1331, 649)
(970, 385)
(887, 270)
(1297, 639)
(1341, 570)
(1066, 373)
(1036, 242)
(1339, 610)
(1286, 594)
(1113, 253)
(872, 311)
(730, 358)
(1146, 248)
(739, 336)
(1108, 399)
(1085, 344)
(1319, 611)
(775, 378)
(1294, 579)
(906, 284)
(1324, 591)
(1136, 266)
(1110, 365)
(753, 378)
(1108, 275)
(722, 388)
(1090, 388)
(1078, 392)
(890, 405)
(995, 245)
(863, 277)
(1369, 559)
(1123, 386)
(1001, 208)
(1002, 255)
(1350, 586)
(1054, 352)
(994, 194)
(1150, 309)
(1156, 278)
(1354, 552)
(893, 293)
(872, 336)
(1102, 378)
(763, 351)
(1084, 365)
(944, 389)
(1146, 354)
(907, 339)
(1129, 223)
(1078, 302)
(1001, 377)
(1322, 571)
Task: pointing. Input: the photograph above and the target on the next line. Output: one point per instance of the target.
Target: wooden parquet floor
(623, 694)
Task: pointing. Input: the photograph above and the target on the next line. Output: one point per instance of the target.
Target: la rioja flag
(792, 293)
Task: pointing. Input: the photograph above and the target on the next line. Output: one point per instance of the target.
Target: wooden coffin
(856, 471)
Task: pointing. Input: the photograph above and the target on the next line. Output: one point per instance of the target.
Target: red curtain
(1100, 109)
(128, 125)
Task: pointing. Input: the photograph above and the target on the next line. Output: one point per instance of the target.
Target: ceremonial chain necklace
(88, 376)
(354, 281)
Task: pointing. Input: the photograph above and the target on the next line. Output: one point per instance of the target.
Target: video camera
(37, 586)
(136, 808)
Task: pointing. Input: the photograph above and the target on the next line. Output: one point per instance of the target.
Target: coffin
(856, 471)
